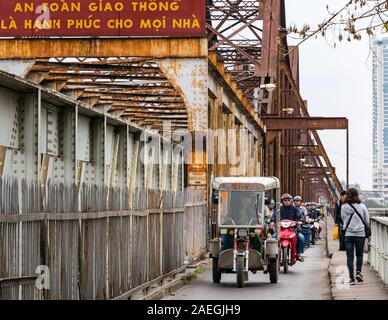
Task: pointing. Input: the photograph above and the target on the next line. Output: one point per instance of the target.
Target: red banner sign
(99, 18)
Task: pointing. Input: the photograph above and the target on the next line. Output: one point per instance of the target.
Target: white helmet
(286, 196)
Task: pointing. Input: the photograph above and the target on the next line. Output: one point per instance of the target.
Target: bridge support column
(190, 77)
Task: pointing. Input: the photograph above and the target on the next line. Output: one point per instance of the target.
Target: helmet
(286, 196)
(297, 198)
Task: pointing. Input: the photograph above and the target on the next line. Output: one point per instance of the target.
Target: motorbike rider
(314, 208)
(290, 212)
(267, 216)
(314, 213)
(272, 207)
(298, 204)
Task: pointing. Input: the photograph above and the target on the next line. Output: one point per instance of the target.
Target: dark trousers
(341, 238)
(352, 243)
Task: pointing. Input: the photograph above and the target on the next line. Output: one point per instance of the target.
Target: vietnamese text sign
(97, 18)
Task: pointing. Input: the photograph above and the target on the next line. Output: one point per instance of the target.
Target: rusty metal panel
(102, 18)
(190, 76)
(294, 63)
(155, 47)
(312, 123)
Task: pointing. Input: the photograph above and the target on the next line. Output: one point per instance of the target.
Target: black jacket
(337, 217)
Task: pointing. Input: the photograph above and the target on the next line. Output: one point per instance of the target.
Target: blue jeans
(300, 243)
(352, 243)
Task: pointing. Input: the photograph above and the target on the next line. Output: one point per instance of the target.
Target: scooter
(288, 240)
(315, 230)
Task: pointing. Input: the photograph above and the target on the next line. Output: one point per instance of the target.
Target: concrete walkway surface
(373, 288)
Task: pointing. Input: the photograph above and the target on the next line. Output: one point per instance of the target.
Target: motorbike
(315, 230)
(288, 240)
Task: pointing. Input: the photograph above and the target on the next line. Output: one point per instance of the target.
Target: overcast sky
(337, 83)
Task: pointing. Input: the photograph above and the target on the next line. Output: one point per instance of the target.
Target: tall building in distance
(380, 116)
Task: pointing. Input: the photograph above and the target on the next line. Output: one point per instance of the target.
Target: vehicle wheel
(285, 259)
(273, 270)
(240, 271)
(216, 272)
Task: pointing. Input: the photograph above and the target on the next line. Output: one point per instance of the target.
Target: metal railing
(19, 288)
(96, 242)
(378, 252)
(378, 212)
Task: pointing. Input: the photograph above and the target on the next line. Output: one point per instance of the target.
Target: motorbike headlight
(285, 224)
(242, 233)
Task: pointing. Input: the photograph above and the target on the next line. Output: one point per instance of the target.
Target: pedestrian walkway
(372, 288)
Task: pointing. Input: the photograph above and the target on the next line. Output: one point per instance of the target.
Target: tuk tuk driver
(290, 212)
(249, 214)
(244, 212)
(245, 209)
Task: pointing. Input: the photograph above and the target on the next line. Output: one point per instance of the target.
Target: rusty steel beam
(244, 53)
(312, 123)
(145, 47)
(107, 84)
(318, 162)
(303, 108)
(298, 145)
(312, 175)
(312, 152)
(320, 170)
(235, 31)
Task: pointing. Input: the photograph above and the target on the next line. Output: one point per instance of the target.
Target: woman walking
(355, 217)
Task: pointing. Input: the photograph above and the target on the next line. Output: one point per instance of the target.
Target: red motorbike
(288, 239)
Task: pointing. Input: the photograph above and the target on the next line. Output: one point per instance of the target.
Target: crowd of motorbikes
(310, 227)
(257, 230)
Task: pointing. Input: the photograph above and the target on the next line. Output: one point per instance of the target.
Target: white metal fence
(378, 253)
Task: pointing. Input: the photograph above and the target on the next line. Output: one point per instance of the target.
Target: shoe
(300, 258)
(352, 281)
(359, 277)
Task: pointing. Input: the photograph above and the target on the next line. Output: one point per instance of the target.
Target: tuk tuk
(240, 244)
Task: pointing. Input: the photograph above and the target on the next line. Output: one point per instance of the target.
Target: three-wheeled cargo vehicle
(240, 244)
